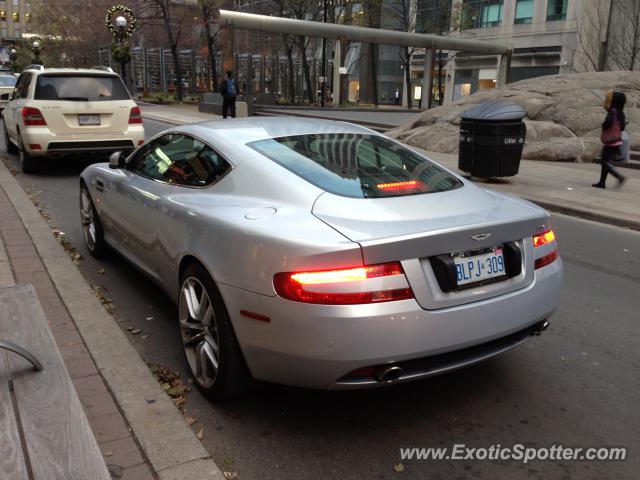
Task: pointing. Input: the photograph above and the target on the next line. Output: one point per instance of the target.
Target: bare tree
(211, 31)
(624, 35)
(402, 15)
(591, 49)
(173, 17)
(65, 30)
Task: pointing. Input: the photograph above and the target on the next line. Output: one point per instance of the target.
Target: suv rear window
(92, 88)
(354, 165)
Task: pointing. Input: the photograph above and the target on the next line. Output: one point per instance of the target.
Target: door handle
(99, 185)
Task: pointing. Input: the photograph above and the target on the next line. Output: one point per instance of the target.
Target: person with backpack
(611, 136)
(229, 91)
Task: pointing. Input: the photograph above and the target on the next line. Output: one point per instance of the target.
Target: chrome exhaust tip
(389, 373)
(541, 328)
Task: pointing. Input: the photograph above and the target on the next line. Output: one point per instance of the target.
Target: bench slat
(12, 465)
(59, 439)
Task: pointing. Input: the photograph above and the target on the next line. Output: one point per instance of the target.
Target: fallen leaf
(136, 331)
(399, 467)
(231, 475)
(145, 337)
(149, 318)
(130, 328)
(190, 420)
(108, 453)
(200, 433)
(101, 271)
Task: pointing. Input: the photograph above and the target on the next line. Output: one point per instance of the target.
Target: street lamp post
(36, 46)
(121, 23)
(13, 56)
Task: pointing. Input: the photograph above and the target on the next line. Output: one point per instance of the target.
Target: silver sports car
(322, 254)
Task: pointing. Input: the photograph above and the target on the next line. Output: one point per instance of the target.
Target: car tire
(92, 230)
(208, 337)
(11, 148)
(28, 164)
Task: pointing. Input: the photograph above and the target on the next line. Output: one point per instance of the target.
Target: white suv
(62, 110)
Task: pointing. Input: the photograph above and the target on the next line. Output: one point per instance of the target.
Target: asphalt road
(576, 385)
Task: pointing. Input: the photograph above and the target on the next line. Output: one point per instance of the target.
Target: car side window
(22, 87)
(179, 159)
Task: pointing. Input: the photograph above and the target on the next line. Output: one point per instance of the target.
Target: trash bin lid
(494, 111)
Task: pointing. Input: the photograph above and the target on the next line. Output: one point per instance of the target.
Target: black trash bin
(491, 139)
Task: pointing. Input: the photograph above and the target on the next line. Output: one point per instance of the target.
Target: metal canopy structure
(342, 33)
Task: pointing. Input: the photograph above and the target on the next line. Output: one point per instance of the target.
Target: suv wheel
(28, 163)
(11, 148)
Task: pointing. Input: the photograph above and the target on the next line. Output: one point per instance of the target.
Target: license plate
(479, 266)
(89, 119)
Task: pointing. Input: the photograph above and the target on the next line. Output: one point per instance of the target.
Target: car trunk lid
(414, 228)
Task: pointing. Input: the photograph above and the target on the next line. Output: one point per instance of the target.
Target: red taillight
(32, 117)
(543, 238)
(401, 186)
(540, 240)
(35, 146)
(345, 286)
(546, 260)
(140, 142)
(135, 116)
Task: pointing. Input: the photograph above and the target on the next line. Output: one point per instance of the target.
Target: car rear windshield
(7, 80)
(92, 88)
(354, 165)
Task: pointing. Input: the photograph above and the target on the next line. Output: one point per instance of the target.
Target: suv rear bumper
(74, 143)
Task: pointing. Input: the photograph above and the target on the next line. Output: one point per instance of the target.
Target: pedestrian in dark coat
(611, 136)
(229, 91)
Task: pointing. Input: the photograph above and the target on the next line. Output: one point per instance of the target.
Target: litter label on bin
(513, 140)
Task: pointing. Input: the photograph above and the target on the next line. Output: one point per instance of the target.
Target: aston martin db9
(322, 254)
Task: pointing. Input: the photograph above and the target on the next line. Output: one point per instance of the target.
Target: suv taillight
(32, 117)
(346, 286)
(135, 116)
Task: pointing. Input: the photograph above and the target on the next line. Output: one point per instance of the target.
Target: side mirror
(117, 160)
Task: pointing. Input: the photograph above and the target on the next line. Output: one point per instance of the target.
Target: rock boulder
(564, 115)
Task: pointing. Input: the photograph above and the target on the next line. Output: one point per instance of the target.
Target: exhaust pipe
(388, 373)
(541, 328)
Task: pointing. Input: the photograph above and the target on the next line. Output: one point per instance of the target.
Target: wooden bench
(44, 432)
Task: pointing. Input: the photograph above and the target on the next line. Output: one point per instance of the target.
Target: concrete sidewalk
(175, 115)
(559, 187)
(140, 431)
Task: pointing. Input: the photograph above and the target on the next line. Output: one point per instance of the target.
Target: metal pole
(425, 98)
(337, 63)
(323, 71)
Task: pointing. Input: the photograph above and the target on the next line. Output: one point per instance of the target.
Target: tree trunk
(440, 77)
(407, 75)
(178, 70)
(373, 54)
(291, 88)
(210, 46)
(305, 68)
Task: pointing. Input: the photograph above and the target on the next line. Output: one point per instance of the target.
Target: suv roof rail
(103, 68)
(34, 66)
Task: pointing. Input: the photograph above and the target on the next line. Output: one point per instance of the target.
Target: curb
(162, 119)
(170, 445)
(585, 214)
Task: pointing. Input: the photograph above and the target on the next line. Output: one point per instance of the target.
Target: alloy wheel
(199, 332)
(87, 219)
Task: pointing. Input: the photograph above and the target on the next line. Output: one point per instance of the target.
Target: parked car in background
(7, 84)
(322, 254)
(59, 111)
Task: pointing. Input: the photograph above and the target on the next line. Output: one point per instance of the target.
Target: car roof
(91, 71)
(250, 129)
